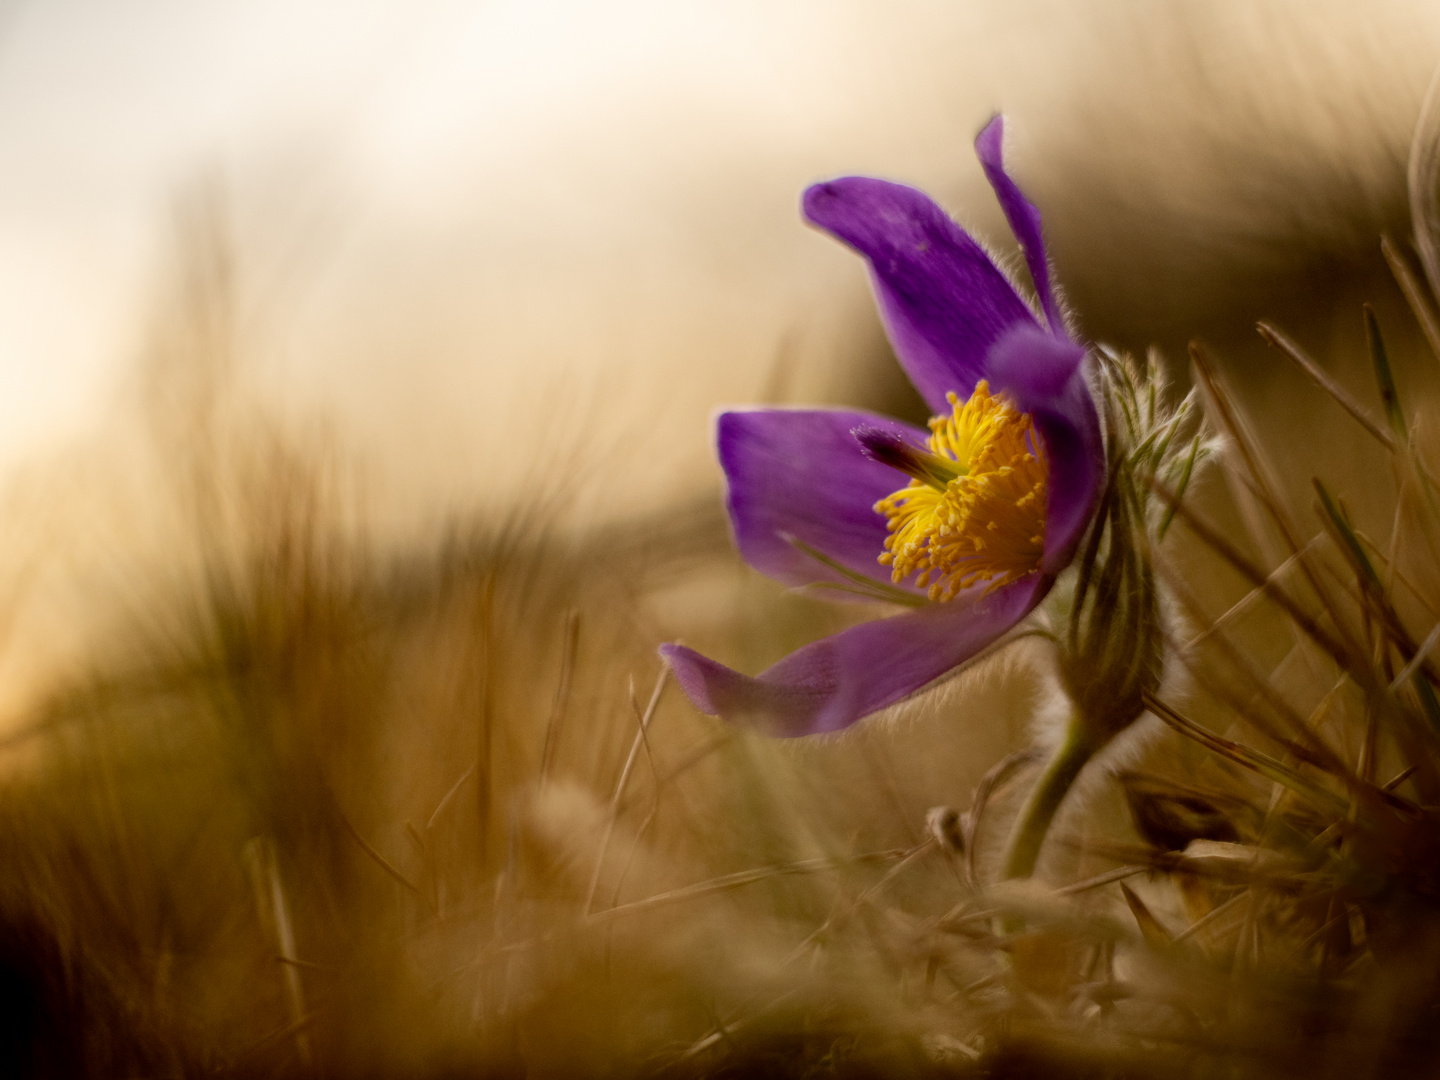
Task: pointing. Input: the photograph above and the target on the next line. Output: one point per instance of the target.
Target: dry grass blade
(726, 882)
(993, 780)
(1248, 601)
(643, 722)
(1367, 589)
(915, 854)
(1399, 778)
(1314, 749)
(1214, 915)
(1422, 182)
(1266, 487)
(1384, 376)
(1108, 877)
(271, 902)
(1256, 576)
(1322, 379)
(1414, 293)
(448, 797)
(562, 694)
(1372, 593)
(696, 757)
(1155, 934)
(1233, 425)
(375, 856)
(1247, 758)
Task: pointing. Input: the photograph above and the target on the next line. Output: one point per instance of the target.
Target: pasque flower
(967, 524)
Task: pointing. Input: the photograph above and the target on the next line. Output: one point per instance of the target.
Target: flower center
(974, 510)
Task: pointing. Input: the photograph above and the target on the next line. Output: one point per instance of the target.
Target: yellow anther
(985, 525)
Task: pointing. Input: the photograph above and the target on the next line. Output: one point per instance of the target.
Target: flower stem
(1044, 800)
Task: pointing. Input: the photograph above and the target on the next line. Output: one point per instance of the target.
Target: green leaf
(1384, 377)
(1347, 536)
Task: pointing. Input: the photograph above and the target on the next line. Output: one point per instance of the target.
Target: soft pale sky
(449, 210)
(458, 222)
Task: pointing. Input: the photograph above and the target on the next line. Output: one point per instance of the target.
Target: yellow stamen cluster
(986, 524)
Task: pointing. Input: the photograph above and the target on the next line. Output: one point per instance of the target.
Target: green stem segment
(1044, 800)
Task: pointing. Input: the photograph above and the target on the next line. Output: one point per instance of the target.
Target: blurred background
(357, 363)
(478, 233)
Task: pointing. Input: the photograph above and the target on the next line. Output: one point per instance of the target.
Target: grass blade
(1384, 377)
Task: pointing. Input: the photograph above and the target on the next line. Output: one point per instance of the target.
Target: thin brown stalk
(721, 1031)
(275, 909)
(379, 859)
(1314, 937)
(1151, 928)
(1244, 756)
(650, 817)
(1110, 876)
(1361, 790)
(305, 965)
(1256, 576)
(1369, 593)
(1316, 750)
(1246, 602)
(1278, 340)
(994, 778)
(1211, 916)
(562, 694)
(1399, 778)
(1247, 866)
(726, 882)
(484, 752)
(1232, 422)
(448, 797)
(643, 722)
(695, 757)
(1421, 655)
(1393, 573)
(297, 1029)
(1414, 293)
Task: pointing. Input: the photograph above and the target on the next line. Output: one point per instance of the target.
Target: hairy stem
(1044, 800)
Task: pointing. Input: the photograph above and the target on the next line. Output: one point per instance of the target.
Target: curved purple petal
(801, 473)
(1024, 219)
(1045, 377)
(831, 683)
(943, 301)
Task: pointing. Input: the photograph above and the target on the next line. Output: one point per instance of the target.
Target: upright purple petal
(1045, 377)
(943, 301)
(801, 473)
(1024, 219)
(831, 683)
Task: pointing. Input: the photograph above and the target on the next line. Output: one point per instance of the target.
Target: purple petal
(831, 683)
(943, 301)
(1024, 219)
(801, 473)
(1044, 376)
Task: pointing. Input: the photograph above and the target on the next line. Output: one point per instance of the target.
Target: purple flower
(968, 523)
